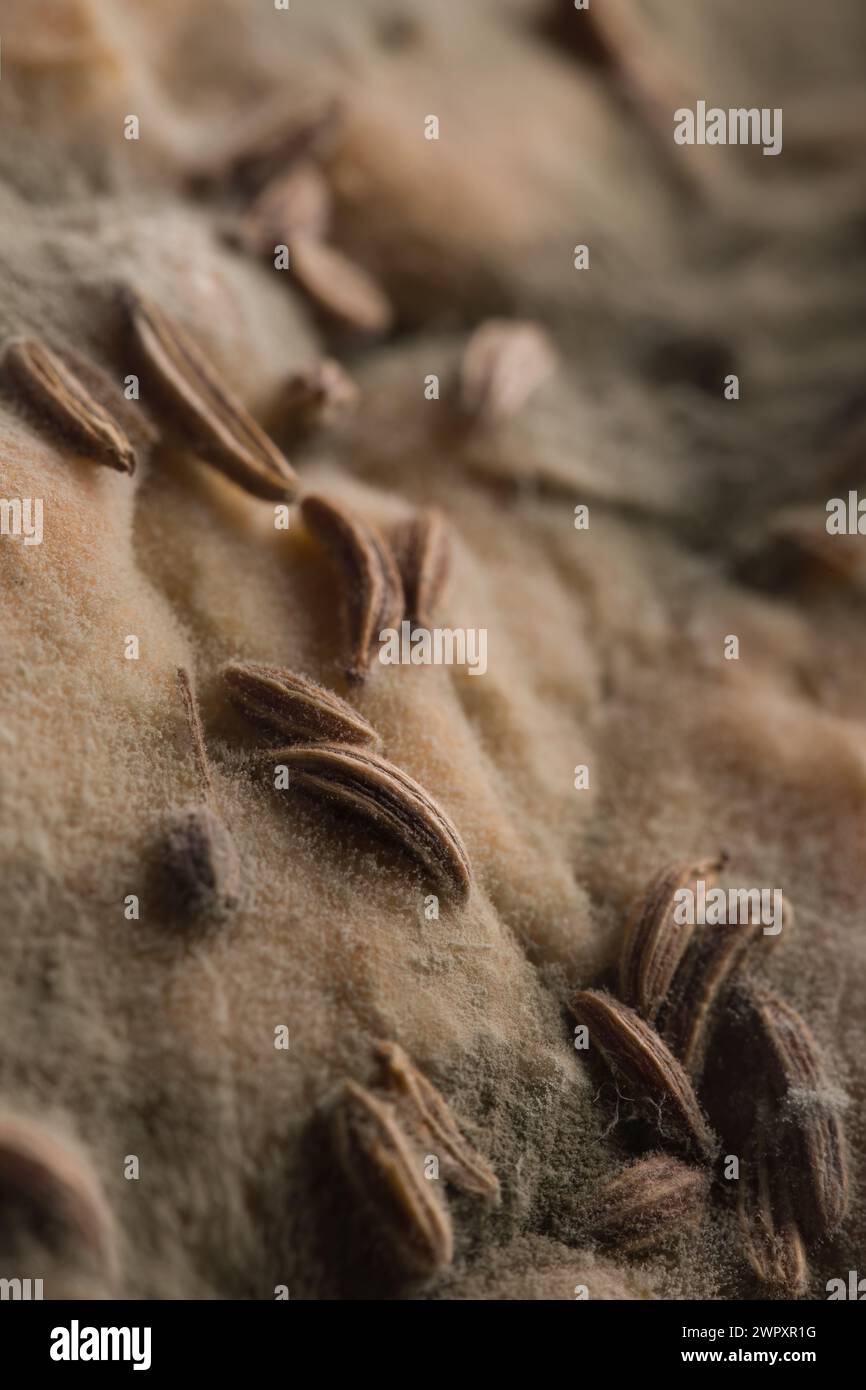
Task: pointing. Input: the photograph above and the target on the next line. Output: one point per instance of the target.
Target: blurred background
(556, 128)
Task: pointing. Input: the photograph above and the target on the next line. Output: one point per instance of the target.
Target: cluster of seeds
(331, 757)
(382, 1139)
(679, 983)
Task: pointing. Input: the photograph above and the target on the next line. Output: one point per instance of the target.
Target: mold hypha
(200, 858)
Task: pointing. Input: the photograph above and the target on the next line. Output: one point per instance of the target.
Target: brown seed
(273, 142)
(503, 363)
(319, 397)
(809, 1129)
(130, 415)
(395, 804)
(296, 203)
(637, 1055)
(372, 589)
(773, 1244)
(212, 419)
(655, 942)
(387, 1173)
(47, 1188)
(201, 862)
(699, 988)
(650, 1203)
(804, 530)
(427, 1114)
(52, 388)
(422, 550)
(198, 854)
(797, 552)
(296, 707)
(579, 33)
(337, 286)
(700, 985)
(196, 733)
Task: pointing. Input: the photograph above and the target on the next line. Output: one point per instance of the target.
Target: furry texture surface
(147, 1038)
